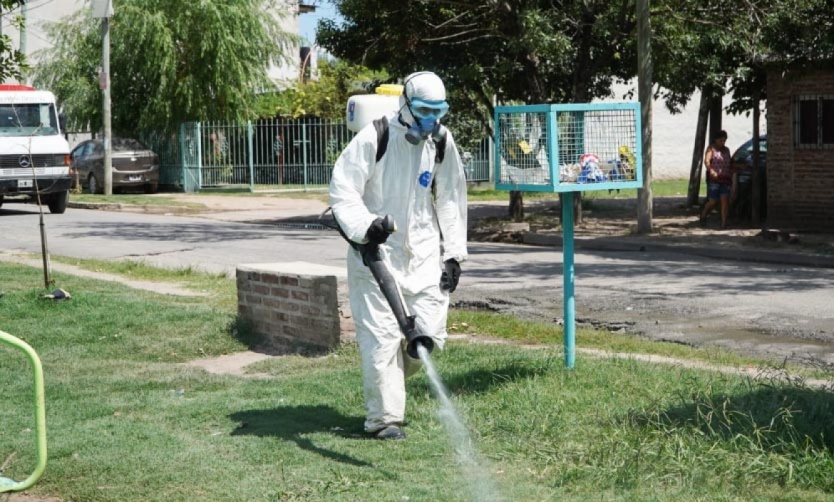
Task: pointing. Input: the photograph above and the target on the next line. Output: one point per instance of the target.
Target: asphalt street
(781, 311)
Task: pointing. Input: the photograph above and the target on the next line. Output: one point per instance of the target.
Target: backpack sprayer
(372, 258)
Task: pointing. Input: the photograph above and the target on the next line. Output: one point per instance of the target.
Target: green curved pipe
(6, 484)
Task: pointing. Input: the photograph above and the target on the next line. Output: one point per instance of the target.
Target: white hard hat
(425, 86)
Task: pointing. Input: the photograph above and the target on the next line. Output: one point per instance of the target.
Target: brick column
(294, 307)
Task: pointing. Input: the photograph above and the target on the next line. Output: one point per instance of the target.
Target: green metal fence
(265, 155)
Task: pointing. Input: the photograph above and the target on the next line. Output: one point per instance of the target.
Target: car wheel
(1, 201)
(152, 187)
(57, 202)
(94, 185)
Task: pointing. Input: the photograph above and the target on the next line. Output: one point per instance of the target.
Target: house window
(814, 121)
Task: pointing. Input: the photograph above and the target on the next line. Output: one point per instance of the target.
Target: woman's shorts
(717, 190)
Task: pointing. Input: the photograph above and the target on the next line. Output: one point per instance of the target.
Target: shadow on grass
(292, 423)
(779, 419)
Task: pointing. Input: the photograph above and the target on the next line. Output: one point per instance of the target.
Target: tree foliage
(522, 50)
(702, 45)
(324, 97)
(12, 61)
(170, 61)
(534, 51)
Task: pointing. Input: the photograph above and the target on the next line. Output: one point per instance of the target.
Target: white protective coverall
(400, 185)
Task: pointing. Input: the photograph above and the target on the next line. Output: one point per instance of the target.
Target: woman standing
(719, 178)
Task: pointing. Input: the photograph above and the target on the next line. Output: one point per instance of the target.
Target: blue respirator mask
(427, 115)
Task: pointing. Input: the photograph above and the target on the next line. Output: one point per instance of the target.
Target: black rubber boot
(390, 432)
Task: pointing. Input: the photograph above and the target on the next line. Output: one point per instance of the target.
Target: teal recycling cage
(568, 148)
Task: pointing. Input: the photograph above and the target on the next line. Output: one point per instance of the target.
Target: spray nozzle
(414, 338)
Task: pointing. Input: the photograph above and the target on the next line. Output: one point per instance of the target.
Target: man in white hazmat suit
(427, 200)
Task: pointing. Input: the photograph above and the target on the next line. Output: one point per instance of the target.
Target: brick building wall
(294, 307)
(800, 182)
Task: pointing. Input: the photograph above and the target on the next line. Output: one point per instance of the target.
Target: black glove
(450, 276)
(377, 234)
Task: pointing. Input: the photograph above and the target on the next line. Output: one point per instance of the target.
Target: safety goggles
(431, 110)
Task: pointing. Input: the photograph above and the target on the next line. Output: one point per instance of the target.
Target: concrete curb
(134, 208)
(631, 244)
(104, 206)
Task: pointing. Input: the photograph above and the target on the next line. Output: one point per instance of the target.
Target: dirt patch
(231, 364)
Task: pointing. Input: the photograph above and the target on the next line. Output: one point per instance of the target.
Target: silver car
(134, 165)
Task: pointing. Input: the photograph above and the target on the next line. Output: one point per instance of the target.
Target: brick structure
(294, 307)
(800, 181)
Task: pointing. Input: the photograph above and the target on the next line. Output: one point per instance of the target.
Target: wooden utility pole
(103, 9)
(24, 14)
(644, 91)
(106, 110)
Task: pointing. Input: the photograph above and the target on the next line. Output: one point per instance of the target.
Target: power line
(30, 6)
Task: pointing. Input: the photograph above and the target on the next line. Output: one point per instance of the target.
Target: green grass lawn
(182, 199)
(128, 421)
(660, 188)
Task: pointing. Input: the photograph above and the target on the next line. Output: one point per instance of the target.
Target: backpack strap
(381, 126)
(440, 150)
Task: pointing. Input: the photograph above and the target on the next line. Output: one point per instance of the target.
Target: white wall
(673, 136)
(286, 73)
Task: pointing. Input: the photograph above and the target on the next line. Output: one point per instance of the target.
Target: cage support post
(568, 279)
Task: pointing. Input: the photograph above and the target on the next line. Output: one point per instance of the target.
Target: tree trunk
(698, 152)
(577, 208)
(716, 109)
(517, 205)
(644, 91)
(755, 214)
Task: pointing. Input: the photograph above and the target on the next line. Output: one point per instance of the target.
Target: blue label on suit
(425, 179)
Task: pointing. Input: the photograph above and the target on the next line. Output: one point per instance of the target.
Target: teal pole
(304, 151)
(250, 132)
(6, 484)
(184, 146)
(568, 275)
(199, 160)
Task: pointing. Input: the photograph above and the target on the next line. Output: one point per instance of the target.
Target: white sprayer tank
(362, 109)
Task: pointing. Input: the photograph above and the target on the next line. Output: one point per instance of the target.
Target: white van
(34, 155)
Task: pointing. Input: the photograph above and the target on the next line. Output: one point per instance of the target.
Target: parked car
(742, 161)
(134, 165)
